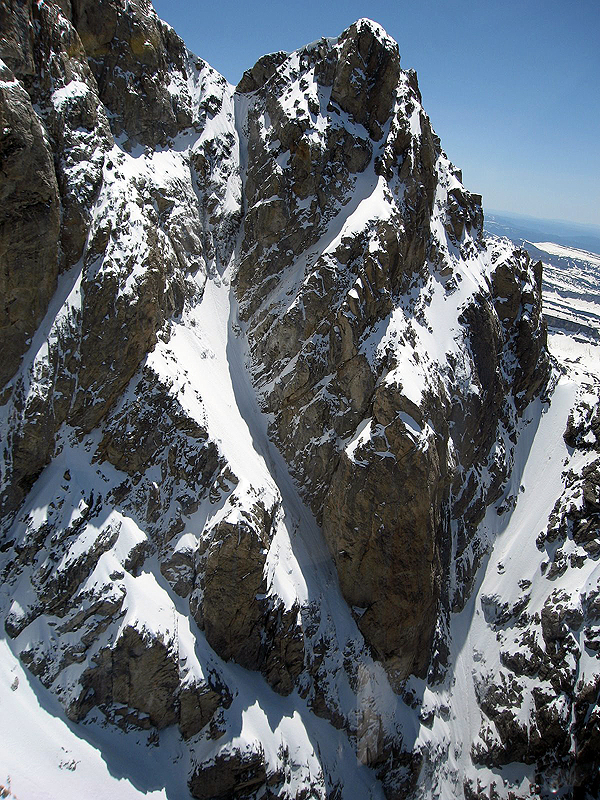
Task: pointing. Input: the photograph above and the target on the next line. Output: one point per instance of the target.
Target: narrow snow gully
(299, 562)
(299, 568)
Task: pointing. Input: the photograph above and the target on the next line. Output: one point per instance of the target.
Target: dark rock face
(256, 77)
(131, 53)
(235, 774)
(75, 120)
(376, 565)
(231, 606)
(366, 66)
(140, 674)
(137, 684)
(29, 223)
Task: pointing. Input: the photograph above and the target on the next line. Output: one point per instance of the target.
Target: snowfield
(568, 252)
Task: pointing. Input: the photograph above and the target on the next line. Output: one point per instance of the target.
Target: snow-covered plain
(568, 252)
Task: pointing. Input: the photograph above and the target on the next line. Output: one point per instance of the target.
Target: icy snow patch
(74, 89)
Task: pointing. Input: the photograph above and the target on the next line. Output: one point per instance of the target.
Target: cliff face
(386, 374)
(268, 399)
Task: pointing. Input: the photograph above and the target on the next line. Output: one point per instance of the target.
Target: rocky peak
(97, 209)
(261, 72)
(366, 75)
(339, 119)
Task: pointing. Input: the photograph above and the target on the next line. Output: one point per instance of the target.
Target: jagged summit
(369, 24)
(363, 30)
(367, 36)
(280, 434)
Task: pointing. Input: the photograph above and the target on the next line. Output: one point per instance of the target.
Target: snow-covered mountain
(295, 501)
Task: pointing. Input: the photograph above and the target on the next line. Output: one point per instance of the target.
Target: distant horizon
(511, 88)
(585, 226)
(525, 228)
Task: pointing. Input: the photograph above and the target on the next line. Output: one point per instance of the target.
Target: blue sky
(512, 88)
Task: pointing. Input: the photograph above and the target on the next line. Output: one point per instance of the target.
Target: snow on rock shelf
(295, 501)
